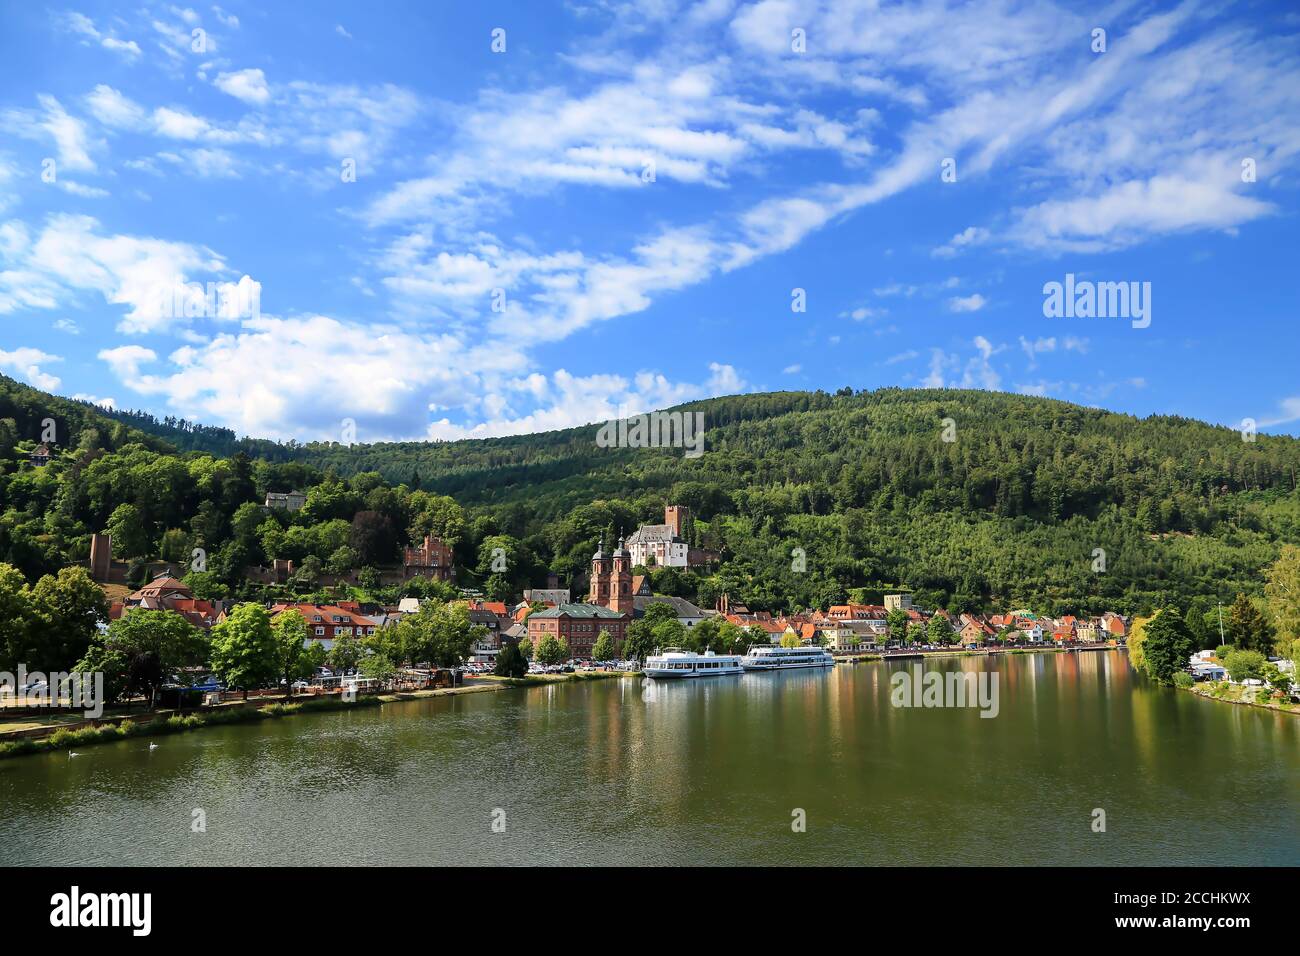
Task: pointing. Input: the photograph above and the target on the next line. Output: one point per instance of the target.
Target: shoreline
(853, 658)
(161, 723)
(1234, 694)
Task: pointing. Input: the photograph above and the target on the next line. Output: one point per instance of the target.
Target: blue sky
(612, 213)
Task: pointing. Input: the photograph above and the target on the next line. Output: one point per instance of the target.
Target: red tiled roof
(326, 613)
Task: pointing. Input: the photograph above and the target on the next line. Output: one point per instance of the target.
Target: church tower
(600, 568)
(620, 581)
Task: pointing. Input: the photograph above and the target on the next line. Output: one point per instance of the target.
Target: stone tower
(101, 557)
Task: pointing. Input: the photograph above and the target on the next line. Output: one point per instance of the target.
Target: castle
(432, 559)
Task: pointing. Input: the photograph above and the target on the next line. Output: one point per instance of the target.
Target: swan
(73, 753)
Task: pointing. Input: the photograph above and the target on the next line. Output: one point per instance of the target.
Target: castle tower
(678, 517)
(620, 581)
(600, 570)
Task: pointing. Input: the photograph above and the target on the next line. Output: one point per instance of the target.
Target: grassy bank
(107, 733)
(1240, 694)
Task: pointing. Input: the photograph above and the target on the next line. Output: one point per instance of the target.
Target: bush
(1183, 679)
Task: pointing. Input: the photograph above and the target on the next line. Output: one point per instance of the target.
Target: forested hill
(1012, 509)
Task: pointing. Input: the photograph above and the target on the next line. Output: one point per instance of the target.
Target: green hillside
(1009, 512)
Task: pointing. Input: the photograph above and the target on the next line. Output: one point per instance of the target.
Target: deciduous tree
(244, 652)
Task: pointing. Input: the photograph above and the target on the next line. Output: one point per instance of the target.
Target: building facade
(579, 626)
(326, 623)
(432, 559)
(898, 602)
(286, 500)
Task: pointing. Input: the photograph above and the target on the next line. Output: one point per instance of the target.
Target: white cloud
(27, 362)
(109, 403)
(81, 189)
(968, 303)
(82, 25)
(303, 376)
(968, 237)
(125, 360)
(53, 124)
(977, 371)
(1134, 210)
(113, 109)
(71, 256)
(204, 163)
(569, 400)
(1288, 411)
(228, 20)
(179, 124)
(906, 356)
(247, 85)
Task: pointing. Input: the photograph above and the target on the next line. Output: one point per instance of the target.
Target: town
(618, 595)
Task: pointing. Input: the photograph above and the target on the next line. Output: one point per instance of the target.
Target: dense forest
(972, 499)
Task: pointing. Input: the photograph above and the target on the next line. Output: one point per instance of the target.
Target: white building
(657, 545)
(898, 602)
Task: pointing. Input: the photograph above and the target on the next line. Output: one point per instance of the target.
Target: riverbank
(161, 724)
(1240, 694)
(168, 722)
(853, 658)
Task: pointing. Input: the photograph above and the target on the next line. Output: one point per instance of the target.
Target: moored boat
(774, 658)
(673, 664)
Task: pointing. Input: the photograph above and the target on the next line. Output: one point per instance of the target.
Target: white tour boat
(674, 663)
(775, 658)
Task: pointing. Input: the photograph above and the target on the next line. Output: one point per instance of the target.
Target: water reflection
(699, 771)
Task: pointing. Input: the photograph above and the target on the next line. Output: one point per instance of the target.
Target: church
(609, 607)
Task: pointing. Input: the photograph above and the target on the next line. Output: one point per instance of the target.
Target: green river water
(630, 771)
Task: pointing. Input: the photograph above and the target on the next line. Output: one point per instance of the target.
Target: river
(709, 771)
